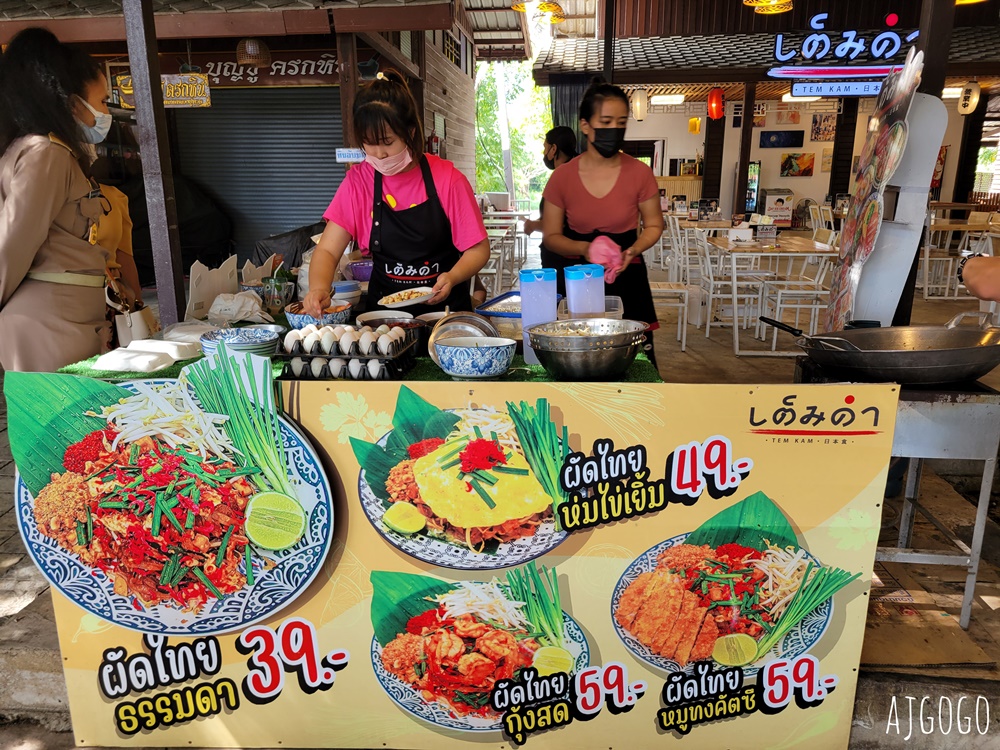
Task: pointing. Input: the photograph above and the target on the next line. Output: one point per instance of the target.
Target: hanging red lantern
(716, 103)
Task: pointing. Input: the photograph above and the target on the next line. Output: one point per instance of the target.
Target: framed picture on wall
(788, 117)
(824, 127)
(827, 164)
(798, 165)
(782, 138)
(760, 121)
(689, 169)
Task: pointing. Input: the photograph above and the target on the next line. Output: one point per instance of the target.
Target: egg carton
(397, 348)
(343, 368)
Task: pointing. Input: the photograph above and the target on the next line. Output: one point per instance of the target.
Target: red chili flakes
(424, 447)
(737, 552)
(481, 455)
(89, 449)
(428, 620)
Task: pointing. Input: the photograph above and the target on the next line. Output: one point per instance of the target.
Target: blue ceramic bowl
(257, 289)
(298, 319)
(340, 288)
(471, 357)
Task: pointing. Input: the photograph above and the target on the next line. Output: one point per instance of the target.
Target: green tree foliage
(529, 119)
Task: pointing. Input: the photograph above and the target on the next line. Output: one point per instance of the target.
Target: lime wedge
(274, 521)
(734, 650)
(551, 659)
(404, 518)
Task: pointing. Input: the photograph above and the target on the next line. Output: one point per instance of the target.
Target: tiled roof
(739, 51)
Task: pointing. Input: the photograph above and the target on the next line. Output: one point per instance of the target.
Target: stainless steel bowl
(586, 334)
(459, 324)
(609, 363)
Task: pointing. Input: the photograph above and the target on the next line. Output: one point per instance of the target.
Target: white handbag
(130, 325)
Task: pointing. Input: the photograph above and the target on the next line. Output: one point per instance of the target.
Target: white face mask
(97, 132)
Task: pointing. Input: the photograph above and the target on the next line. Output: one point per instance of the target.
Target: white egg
(366, 342)
(382, 329)
(354, 367)
(328, 342)
(297, 366)
(398, 333)
(290, 338)
(347, 341)
(339, 331)
(374, 368)
(317, 367)
(310, 341)
(384, 343)
(306, 330)
(365, 329)
(336, 368)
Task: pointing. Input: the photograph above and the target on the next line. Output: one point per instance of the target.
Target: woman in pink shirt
(603, 193)
(414, 212)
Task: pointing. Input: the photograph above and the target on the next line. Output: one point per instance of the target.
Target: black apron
(632, 284)
(412, 247)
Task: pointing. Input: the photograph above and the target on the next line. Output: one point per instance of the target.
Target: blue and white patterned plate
(272, 590)
(437, 713)
(798, 641)
(447, 554)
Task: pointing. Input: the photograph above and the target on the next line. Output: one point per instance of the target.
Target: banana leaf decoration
(399, 597)
(46, 413)
(752, 522)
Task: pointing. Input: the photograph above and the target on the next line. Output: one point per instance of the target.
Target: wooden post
(609, 40)
(715, 139)
(347, 65)
(746, 140)
(937, 19)
(157, 174)
(843, 147)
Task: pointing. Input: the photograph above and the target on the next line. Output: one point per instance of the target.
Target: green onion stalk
(253, 426)
(538, 588)
(543, 447)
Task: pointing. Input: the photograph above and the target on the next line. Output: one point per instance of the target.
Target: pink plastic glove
(606, 253)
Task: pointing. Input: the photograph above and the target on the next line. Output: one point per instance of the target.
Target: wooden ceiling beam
(430, 17)
(181, 25)
(393, 55)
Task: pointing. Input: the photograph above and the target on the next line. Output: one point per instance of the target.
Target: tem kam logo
(792, 418)
(820, 45)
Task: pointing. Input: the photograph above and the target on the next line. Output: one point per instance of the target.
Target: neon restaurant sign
(823, 47)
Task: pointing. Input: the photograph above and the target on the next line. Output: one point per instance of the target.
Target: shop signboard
(287, 68)
(644, 523)
(180, 91)
(825, 54)
(836, 88)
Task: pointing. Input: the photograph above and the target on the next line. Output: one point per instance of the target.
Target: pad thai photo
(183, 496)
(703, 598)
(451, 643)
(471, 477)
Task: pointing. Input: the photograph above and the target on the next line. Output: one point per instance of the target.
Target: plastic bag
(230, 308)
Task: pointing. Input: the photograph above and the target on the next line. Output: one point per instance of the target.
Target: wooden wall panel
(448, 91)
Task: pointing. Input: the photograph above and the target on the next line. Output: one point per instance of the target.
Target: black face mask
(549, 163)
(609, 141)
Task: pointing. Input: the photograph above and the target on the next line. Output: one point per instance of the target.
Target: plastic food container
(504, 312)
(612, 309)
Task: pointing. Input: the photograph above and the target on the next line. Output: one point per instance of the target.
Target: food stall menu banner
(547, 565)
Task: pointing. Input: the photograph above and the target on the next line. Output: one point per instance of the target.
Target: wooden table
(716, 224)
(786, 248)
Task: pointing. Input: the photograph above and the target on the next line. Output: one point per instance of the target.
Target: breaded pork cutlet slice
(633, 598)
(667, 646)
(709, 634)
(659, 610)
(683, 653)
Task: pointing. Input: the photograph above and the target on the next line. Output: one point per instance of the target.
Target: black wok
(924, 355)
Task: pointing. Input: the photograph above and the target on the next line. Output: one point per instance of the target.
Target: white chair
(826, 217)
(815, 218)
(974, 239)
(673, 294)
(781, 296)
(716, 287)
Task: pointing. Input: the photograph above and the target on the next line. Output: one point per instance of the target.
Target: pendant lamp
(253, 53)
(694, 125)
(716, 103)
(640, 104)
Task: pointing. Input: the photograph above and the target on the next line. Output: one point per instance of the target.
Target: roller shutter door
(267, 156)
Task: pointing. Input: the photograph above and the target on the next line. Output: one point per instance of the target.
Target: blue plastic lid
(585, 271)
(538, 274)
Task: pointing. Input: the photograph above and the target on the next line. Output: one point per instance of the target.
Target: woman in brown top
(51, 267)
